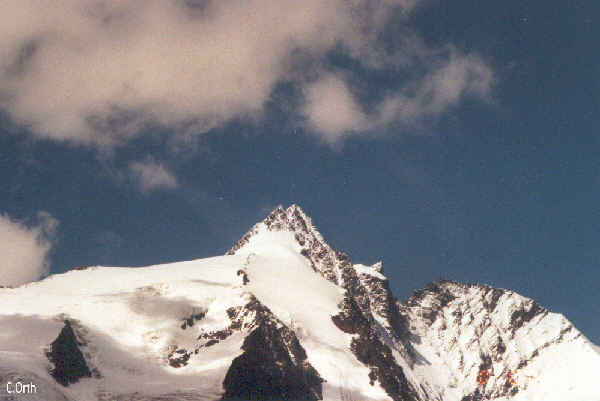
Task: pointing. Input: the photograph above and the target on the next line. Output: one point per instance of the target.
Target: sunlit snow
(130, 318)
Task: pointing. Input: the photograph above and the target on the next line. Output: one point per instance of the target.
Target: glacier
(282, 307)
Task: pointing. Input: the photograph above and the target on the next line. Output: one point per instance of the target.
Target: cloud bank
(25, 250)
(98, 72)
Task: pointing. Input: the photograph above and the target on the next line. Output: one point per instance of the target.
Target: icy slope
(283, 317)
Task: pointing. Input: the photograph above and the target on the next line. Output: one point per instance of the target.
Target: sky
(448, 139)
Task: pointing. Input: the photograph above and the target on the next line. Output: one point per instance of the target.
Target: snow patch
(369, 270)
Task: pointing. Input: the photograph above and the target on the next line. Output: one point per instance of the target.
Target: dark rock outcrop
(371, 351)
(69, 363)
(244, 275)
(269, 370)
(525, 314)
(178, 358)
(274, 365)
(192, 319)
(377, 299)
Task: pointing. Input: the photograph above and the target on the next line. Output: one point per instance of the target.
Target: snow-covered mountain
(283, 316)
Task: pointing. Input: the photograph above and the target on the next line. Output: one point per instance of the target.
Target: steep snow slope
(284, 316)
(282, 279)
(368, 313)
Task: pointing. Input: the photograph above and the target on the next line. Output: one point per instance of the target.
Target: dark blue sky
(500, 187)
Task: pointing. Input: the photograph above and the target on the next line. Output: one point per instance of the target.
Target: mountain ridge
(282, 303)
(374, 287)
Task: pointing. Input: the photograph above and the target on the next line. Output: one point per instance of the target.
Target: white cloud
(25, 249)
(331, 109)
(151, 175)
(445, 86)
(98, 71)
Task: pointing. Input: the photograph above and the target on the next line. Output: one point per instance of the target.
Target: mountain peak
(307, 240)
(291, 219)
(197, 330)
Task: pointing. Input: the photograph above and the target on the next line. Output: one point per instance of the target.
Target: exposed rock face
(273, 366)
(69, 363)
(192, 319)
(179, 358)
(370, 350)
(477, 328)
(525, 314)
(245, 318)
(373, 288)
(244, 276)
